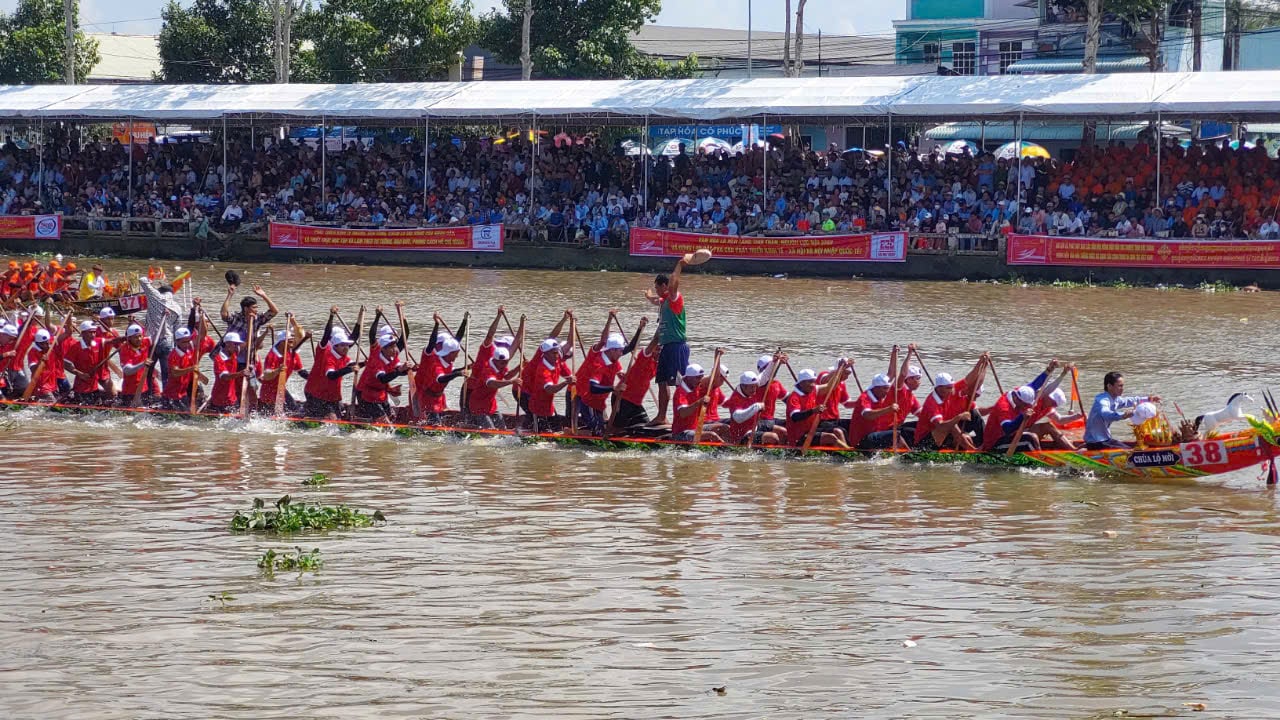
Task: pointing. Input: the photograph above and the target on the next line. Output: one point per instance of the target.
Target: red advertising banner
(30, 227)
(1144, 252)
(468, 238)
(877, 247)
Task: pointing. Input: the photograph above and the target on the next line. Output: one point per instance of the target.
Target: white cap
(133, 331)
(806, 374)
(748, 378)
(233, 337)
(447, 346)
(615, 341)
(1057, 397)
(339, 337)
(763, 361)
(912, 372)
(549, 345)
(694, 370)
(385, 340)
(881, 380)
(182, 333)
(42, 335)
(1023, 393)
(501, 354)
(88, 325)
(39, 311)
(505, 341)
(724, 370)
(281, 336)
(1144, 412)
(12, 330)
(106, 312)
(944, 379)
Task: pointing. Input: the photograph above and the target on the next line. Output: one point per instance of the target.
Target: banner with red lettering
(30, 227)
(868, 247)
(467, 238)
(1142, 252)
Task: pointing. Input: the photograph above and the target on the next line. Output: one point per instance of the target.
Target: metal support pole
(533, 158)
(1017, 148)
(324, 162)
(982, 136)
(764, 128)
(426, 161)
(1159, 143)
(226, 187)
(129, 149)
(889, 157)
(749, 57)
(40, 152)
(644, 158)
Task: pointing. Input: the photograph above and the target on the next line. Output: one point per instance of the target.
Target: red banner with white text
(869, 247)
(1145, 252)
(467, 238)
(30, 227)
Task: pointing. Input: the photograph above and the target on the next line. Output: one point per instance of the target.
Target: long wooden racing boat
(1214, 456)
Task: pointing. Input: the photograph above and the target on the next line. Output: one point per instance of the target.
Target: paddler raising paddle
(673, 357)
(598, 375)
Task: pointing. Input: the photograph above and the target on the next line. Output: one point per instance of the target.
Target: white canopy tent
(1236, 95)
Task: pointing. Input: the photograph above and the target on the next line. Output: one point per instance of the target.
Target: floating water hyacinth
(288, 517)
(270, 561)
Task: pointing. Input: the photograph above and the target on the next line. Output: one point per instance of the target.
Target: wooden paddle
(149, 370)
(247, 369)
(201, 334)
(573, 374)
(38, 375)
(995, 376)
(897, 385)
(404, 336)
(470, 365)
(711, 387)
(832, 381)
(282, 376)
(1022, 426)
(519, 349)
(923, 369)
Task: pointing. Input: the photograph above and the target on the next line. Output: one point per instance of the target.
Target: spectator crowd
(588, 191)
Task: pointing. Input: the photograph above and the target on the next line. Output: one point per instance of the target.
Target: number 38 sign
(1203, 452)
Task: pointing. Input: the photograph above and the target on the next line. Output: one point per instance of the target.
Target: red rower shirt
(129, 355)
(684, 398)
(482, 399)
(226, 390)
(598, 368)
(272, 360)
(430, 390)
(800, 402)
(47, 383)
(908, 404)
(935, 411)
(769, 396)
(84, 357)
(713, 407)
(179, 386)
(735, 402)
(319, 384)
(860, 426)
(839, 396)
(542, 402)
(369, 388)
(1003, 410)
(638, 377)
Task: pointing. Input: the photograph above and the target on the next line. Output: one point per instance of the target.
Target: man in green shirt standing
(673, 357)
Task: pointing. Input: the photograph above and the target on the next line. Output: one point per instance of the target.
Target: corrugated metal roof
(1135, 63)
(1032, 131)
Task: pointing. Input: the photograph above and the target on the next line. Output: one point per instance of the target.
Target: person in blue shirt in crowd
(1110, 406)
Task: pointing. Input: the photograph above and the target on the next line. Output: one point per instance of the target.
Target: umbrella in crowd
(673, 147)
(960, 147)
(1029, 150)
(711, 144)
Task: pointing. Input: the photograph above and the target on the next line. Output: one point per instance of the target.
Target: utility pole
(69, 17)
(749, 74)
(526, 54)
(1196, 27)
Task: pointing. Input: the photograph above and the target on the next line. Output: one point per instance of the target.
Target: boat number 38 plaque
(1203, 452)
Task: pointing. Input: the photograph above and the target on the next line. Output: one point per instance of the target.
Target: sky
(831, 16)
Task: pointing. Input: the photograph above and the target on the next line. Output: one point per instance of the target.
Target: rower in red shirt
(224, 398)
(802, 405)
(135, 357)
(435, 372)
(273, 365)
(692, 393)
(596, 378)
(871, 426)
(482, 399)
(85, 359)
(745, 406)
(182, 362)
(48, 377)
(525, 386)
(628, 410)
(945, 414)
(332, 363)
(1006, 416)
(374, 385)
(770, 394)
(545, 383)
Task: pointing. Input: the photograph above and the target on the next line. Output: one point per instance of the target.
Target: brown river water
(538, 582)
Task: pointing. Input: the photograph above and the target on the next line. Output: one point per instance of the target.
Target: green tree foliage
(217, 41)
(386, 40)
(581, 39)
(32, 46)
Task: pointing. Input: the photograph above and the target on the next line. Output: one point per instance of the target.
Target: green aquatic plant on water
(316, 480)
(290, 517)
(270, 561)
